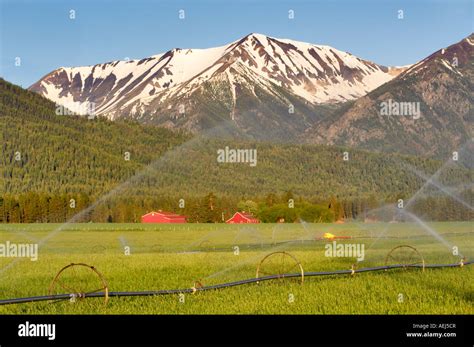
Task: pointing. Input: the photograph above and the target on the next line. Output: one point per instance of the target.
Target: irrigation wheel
(405, 255)
(79, 280)
(280, 264)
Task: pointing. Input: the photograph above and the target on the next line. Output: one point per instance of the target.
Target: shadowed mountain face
(286, 91)
(427, 109)
(72, 154)
(268, 87)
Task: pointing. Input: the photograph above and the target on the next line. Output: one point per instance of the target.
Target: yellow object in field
(328, 236)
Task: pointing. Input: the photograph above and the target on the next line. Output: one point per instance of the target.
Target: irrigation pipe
(223, 285)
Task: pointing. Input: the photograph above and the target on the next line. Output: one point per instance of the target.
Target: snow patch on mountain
(316, 73)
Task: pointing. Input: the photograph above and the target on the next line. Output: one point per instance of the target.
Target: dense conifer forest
(53, 167)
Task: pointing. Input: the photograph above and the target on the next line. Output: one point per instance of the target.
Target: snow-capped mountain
(193, 88)
(440, 86)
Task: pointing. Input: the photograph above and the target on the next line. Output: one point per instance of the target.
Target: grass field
(169, 257)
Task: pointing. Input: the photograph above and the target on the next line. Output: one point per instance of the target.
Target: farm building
(163, 217)
(242, 217)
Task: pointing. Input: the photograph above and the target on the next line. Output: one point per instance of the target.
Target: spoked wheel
(407, 256)
(281, 264)
(80, 281)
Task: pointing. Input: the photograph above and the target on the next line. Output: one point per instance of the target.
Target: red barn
(242, 217)
(163, 217)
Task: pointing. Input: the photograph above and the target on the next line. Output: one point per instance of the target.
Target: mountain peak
(314, 74)
(256, 36)
(456, 57)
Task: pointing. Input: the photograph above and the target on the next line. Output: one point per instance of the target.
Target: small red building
(242, 217)
(163, 217)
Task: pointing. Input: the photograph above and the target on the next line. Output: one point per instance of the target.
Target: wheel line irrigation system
(106, 294)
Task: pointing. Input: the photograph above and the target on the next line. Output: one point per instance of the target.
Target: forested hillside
(42, 151)
(47, 160)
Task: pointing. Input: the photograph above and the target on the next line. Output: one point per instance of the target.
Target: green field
(169, 257)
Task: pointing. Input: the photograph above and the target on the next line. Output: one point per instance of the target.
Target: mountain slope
(441, 85)
(62, 154)
(42, 151)
(260, 83)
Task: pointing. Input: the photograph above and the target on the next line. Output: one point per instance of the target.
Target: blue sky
(45, 38)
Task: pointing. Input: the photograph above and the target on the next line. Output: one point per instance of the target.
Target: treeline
(211, 208)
